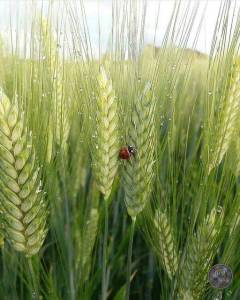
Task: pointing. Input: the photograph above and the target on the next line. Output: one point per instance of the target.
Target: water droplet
(38, 190)
(220, 276)
(209, 93)
(217, 297)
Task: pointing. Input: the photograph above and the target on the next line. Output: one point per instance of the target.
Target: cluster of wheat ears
(80, 221)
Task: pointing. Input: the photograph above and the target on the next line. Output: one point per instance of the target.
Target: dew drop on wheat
(218, 296)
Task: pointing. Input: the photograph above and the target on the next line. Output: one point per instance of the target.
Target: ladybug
(127, 152)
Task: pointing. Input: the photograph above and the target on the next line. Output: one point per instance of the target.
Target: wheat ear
(200, 253)
(56, 72)
(107, 137)
(89, 238)
(233, 155)
(23, 204)
(164, 243)
(138, 171)
(224, 129)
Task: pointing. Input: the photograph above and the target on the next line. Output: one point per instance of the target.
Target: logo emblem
(220, 276)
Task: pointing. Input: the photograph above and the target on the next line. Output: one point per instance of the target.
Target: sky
(19, 13)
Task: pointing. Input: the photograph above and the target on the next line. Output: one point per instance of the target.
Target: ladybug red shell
(127, 152)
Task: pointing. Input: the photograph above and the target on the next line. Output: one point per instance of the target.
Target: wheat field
(119, 168)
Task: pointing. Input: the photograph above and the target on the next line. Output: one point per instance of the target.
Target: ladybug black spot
(132, 150)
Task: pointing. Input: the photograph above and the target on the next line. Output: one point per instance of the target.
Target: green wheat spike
(138, 171)
(22, 200)
(201, 250)
(56, 72)
(89, 238)
(107, 136)
(165, 244)
(225, 128)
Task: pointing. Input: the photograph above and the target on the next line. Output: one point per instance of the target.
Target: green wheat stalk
(105, 155)
(138, 171)
(22, 200)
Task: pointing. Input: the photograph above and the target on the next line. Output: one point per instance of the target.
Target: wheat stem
(104, 267)
(129, 260)
(35, 291)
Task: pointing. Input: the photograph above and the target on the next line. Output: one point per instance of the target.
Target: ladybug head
(132, 150)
